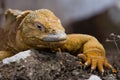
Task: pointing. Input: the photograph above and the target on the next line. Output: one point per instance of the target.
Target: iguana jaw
(57, 37)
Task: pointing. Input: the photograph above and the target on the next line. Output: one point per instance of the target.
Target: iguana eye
(39, 26)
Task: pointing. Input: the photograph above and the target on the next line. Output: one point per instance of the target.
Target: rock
(94, 77)
(41, 65)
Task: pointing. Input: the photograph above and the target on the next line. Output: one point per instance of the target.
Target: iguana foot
(96, 61)
(5, 54)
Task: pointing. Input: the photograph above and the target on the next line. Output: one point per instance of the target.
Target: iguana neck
(21, 46)
(7, 41)
(8, 37)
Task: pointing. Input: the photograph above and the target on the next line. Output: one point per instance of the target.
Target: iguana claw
(96, 62)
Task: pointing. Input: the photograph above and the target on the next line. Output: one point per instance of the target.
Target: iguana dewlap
(41, 29)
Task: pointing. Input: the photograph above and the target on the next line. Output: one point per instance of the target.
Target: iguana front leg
(96, 61)
(94, 55)
(5, 54)
(93, 52)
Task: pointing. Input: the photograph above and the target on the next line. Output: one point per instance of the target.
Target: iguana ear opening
(23, 15)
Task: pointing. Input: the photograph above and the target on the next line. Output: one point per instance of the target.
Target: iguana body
(42, 29)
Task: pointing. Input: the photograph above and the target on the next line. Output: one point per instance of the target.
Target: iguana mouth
(59, 36)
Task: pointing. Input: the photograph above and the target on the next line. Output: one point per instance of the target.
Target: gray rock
(41, 65)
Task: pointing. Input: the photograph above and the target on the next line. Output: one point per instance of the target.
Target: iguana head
(41, 28)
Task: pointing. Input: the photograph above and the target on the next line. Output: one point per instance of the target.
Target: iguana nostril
(53, 31)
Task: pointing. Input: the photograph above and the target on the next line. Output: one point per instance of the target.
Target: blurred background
(98, 18)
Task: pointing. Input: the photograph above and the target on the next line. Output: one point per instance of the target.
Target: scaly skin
(41, 29)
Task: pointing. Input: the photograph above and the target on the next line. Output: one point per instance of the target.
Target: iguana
(41, 29)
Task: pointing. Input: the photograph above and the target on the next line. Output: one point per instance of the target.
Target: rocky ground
(53, 66)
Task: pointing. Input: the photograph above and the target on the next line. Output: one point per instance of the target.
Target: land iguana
(41, 29)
